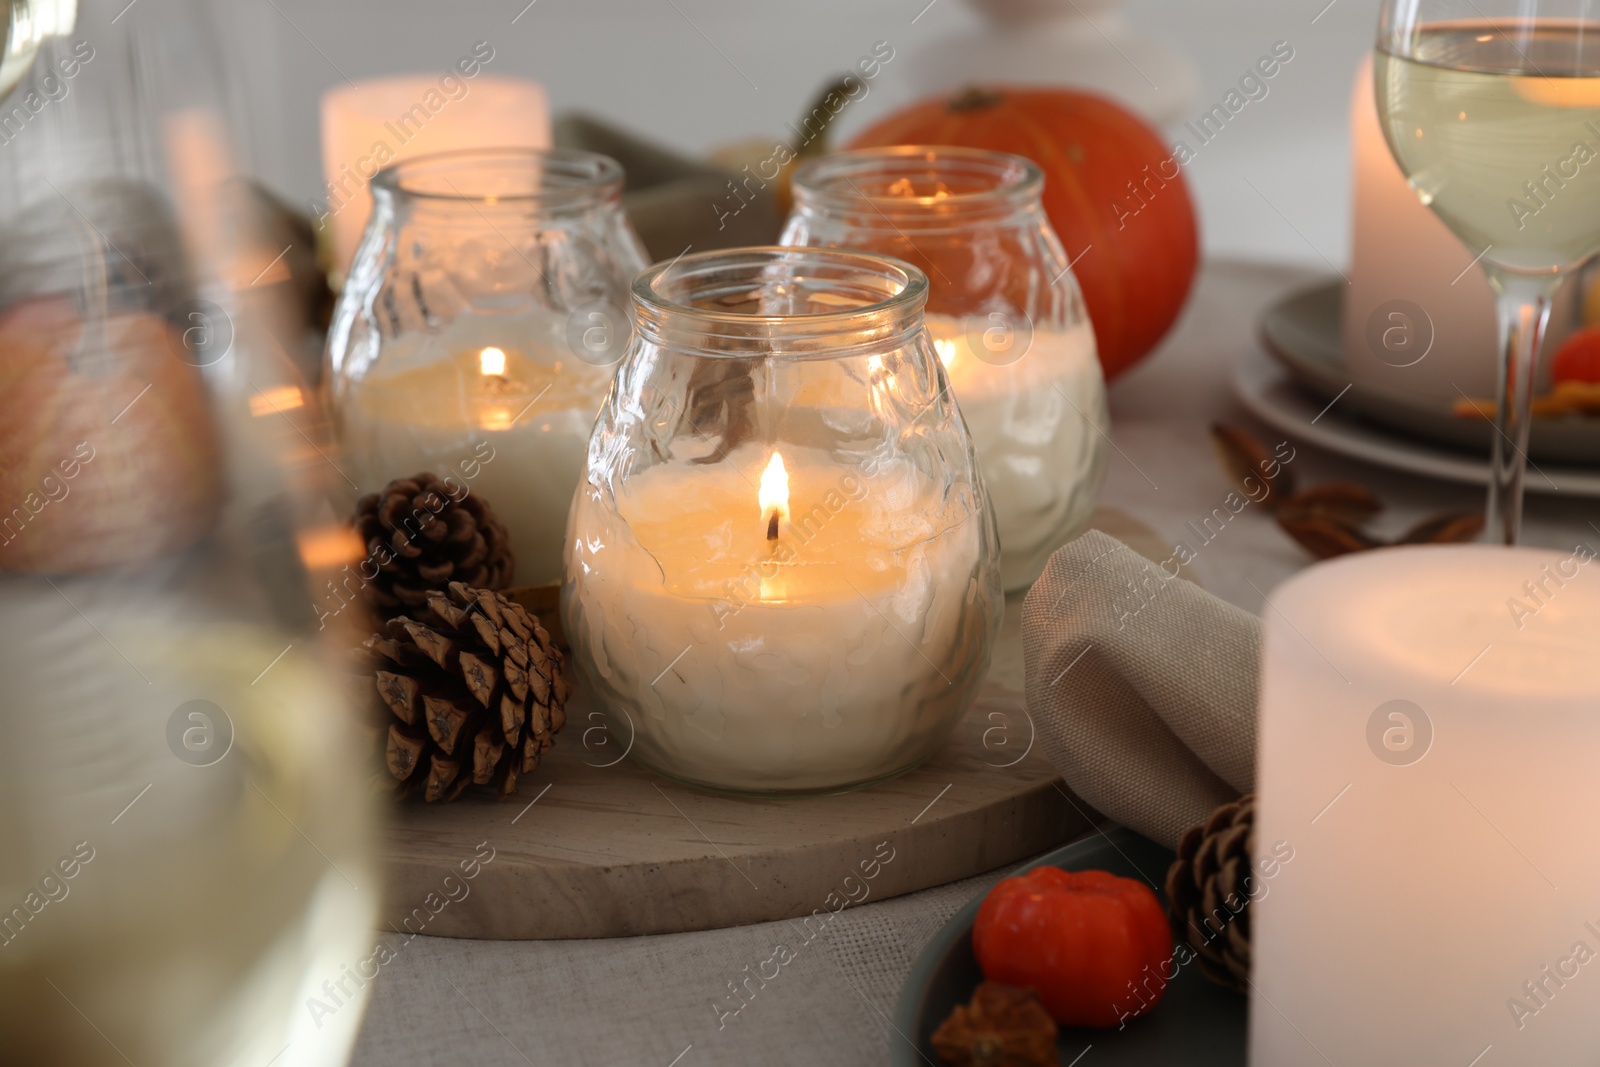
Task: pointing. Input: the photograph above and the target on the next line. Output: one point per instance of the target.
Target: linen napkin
(1142, 687)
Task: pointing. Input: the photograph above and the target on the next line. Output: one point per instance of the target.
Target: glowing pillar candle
(371, 124)
(1418, 316)
(1430, 757)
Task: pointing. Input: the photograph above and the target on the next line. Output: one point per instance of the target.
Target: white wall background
(693, 73)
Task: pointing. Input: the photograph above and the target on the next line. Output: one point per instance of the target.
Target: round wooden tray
(596, 847)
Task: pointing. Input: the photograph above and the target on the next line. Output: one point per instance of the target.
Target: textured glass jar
(479, 328)
(186, 835)
(782, 568)
(1006, 316)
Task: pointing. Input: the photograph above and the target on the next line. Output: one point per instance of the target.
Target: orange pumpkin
(108, 454)
(1113, 191)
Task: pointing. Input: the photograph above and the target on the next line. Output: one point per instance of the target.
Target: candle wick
(772, 527)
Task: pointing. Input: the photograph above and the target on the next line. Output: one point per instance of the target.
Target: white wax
(517, 439)
(1423, 893)
(844, 652)
(1401, 251)
(1038, 426)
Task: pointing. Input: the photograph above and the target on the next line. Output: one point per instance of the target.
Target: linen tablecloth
(655, 1000)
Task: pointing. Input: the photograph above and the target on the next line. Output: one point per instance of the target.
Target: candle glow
(1027, 418)
(1438, 732)
(500, 404)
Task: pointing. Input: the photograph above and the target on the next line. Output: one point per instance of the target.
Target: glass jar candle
(479, 328)
(1007, 320)
(782, 568)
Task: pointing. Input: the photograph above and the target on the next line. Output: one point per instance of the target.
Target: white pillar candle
(826, 655)
(1418, 316)
(371, 124)
(500, 404)
(1430, 733)
(1038, 422)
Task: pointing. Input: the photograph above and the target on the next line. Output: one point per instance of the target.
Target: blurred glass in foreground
(185, 875)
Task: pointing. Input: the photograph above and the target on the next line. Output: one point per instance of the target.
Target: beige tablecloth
(650, 1000)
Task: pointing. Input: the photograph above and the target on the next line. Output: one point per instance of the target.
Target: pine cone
(422, 535)
(1208, 895)
(472, 690)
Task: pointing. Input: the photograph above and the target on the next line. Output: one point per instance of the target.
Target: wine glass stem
(1523, 307)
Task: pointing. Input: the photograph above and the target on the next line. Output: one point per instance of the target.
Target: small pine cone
(1208, 894)
(471, 691)
(422, 535)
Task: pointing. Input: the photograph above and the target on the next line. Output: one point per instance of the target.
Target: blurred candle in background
(1430, 731)
(371, 124)
(1418, 315)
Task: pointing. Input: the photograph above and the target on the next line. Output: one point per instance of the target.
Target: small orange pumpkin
(1113, 191)
(108, 453)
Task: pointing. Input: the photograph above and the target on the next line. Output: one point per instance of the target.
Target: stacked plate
(1301, 388)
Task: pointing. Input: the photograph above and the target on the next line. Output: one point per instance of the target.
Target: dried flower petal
(1450, 528)
(1325, 536)
(1350, 501)
(1248, 462)
(1002, 1027)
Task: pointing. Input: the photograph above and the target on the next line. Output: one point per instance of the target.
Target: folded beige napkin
(1142, 687)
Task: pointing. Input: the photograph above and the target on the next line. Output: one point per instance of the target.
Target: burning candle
(1005, 314)
(774, 654)
(1429, 736)
(478, 333)
(508, 421)
(1037, 416)
(781, 568)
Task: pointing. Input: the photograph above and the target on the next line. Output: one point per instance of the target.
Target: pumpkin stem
(822, 142)
(976, 98)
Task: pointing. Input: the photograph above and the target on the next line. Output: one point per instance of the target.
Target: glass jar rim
(552, 176)
(999, 181)
(890, 293)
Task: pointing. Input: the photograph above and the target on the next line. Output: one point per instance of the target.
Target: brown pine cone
(1208, 894)
(472, 691)
(1002, 1027)
(422, 535)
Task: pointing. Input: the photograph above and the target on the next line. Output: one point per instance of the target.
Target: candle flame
(773, 495)
(275, 400)
(492, 361)
(946, 349)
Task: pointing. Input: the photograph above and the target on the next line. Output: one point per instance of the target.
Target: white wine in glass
(187, 872)
(1492, 110)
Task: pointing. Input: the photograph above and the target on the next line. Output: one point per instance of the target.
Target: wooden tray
(592, 847)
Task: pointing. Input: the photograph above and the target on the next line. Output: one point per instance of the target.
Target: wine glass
(187, 866)
(1492, 111)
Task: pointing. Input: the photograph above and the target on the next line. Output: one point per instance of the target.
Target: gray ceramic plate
(1271, 394)
(1303, 333)
(1197, 1024)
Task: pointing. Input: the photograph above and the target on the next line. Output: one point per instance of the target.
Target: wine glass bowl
(1492, 111)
